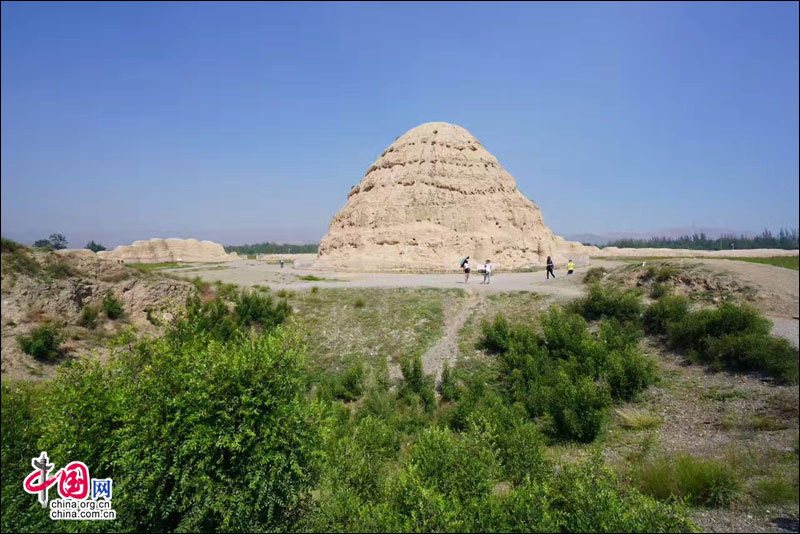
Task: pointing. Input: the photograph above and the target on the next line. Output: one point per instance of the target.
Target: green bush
(694, 331)
(60, 269)
(449, 388)
(359, 303)
(578, 407)
(730, 337)
(667, 309)
(112, 306)
(198, 435)
(43, 343)
(595, 274)
(665, 273)
(346, 385)
(701, 481)
(659, 290)
(8, 245)
(416, 384)
(753, 352)
(496, 335)
(567, 373)
(17, 259)
(88, 318)
(260, 309)
(612, 302)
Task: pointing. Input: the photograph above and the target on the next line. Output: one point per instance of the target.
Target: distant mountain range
(607, 237)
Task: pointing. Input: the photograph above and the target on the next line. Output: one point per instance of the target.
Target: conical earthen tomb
(434, 196)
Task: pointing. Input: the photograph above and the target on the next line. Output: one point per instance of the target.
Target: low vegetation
(43, 342)
(112, 306)
(787, 262)
(88, 317)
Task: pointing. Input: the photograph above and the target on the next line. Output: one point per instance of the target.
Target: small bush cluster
(567, 374)
(88, 317)
(729, 337)
(595, 274)
(43, 342)
(612, 302)
(60, 269)
(198, 434)
(112, 306)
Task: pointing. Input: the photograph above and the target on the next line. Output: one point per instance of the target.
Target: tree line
(785, 239)
(272, 248)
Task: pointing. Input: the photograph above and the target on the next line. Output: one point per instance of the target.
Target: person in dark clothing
(550, 268)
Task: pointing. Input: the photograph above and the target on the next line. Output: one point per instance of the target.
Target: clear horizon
(243, 123)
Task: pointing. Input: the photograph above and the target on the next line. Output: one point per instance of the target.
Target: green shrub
(416, 384)
(736, 338)
(17, 259)
(94, 247)
(592, 500)
(449, 388)
(8, 245)
(667, 309)
(43, 343)
(185, 430)
(610, 301)
(578, 407)
(772, 355)
(696, 328)
(665, 273)
(88, 317)
(226, 291)
(112, 306)
(700, 481)
(315, 289)
(496, 335)
(260, 309)
(595, 274)
(359, 303)
(346, 385)
(659, 290)
(60, 269)
(459, 467)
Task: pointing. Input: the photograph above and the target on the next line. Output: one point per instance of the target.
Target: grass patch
(699, 481)
(150, 267)
(636, 419)
(787, 262)
(314, 278)
(391, 325)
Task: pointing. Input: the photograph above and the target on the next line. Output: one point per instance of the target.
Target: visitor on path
(281, 263)
(487, 271)
(550, 268)
(570, 268)
(465, 266)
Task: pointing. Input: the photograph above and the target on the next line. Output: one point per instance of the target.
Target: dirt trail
(446, 347)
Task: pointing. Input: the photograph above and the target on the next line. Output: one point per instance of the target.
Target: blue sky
(250, 122)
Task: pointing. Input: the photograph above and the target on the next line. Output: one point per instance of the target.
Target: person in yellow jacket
(570, 267)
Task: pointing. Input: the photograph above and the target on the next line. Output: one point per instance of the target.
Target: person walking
(550, 267)
(570, 268)
(487, 271)
(281, 263)
(465, 266)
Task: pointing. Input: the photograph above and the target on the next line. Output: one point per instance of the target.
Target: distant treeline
(272, 248)
(786, 239)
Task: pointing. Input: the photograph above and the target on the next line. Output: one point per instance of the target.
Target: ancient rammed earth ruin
(158, 250)
(434, 196)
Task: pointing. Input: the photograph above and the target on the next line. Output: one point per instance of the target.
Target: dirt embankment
(54, 288)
